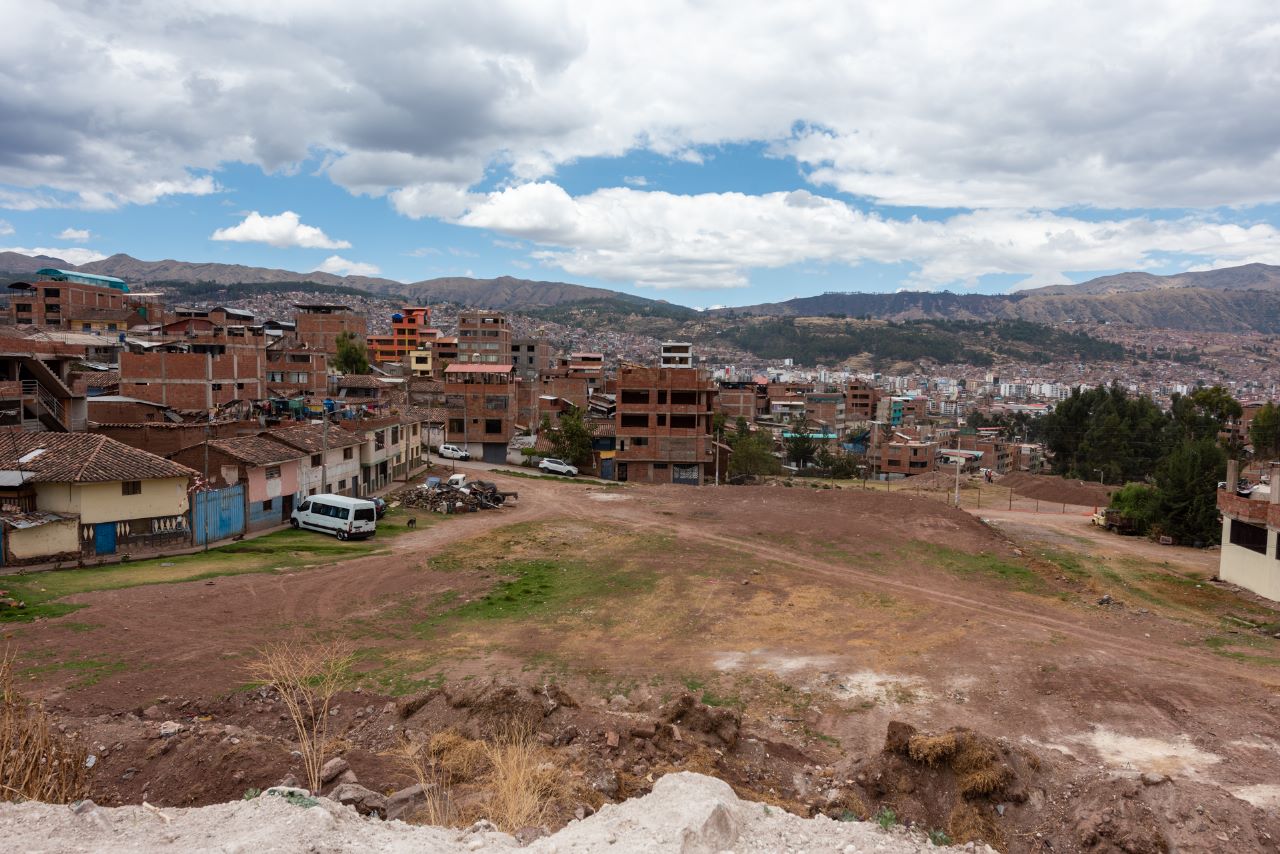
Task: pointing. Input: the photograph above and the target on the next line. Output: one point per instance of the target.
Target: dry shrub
(306, 676)
(460, 759)
(437, 807)
(971, 822)
(930, 748)
(37, 762)
(523, 781)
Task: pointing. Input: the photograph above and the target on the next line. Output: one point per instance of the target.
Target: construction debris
(456, 495)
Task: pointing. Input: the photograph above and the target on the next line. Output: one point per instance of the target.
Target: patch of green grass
(545, 588)
(1069, 563)
(282, 550)
(821, 736)
(1248, 648)
(991, 566)
(886, 818)
(939, 837)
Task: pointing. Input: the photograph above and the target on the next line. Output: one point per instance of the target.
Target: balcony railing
(1248, 509)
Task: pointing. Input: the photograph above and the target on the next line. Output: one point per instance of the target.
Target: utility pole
(206, 484)
(324, 453)
(958, 460)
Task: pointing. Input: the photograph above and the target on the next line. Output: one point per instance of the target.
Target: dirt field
(1057, 489)
(820, 616)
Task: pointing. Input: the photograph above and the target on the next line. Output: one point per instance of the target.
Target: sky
(707, 153)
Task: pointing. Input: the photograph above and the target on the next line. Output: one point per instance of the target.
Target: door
(104, 538)
(606, 469)
(622, 471)
(286, 508)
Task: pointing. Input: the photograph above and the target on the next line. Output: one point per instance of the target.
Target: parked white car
(554, 466)
(340, 515)
(453, 452)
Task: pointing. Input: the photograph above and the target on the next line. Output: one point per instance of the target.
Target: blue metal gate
(104, 538)
(217, 514)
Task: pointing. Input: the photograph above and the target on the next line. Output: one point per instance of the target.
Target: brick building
(742, 400)
(860, 399)
(531, 357)
(484, 338)
(193, 380)
(826, 408)
(482, 406)
(411, 330)
(663, 425)
(317, 325)
(907, 456)
(77, 301)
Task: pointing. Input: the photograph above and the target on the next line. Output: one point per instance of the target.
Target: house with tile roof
(64, 495)
(270, 471)
(332, 457)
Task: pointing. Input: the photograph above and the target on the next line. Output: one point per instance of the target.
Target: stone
(605, 781)
(152, 713)
(366, 801)
(347, 776)
(644, 730)
(83, 807)
(611, 739)
(128, 774)
(1106, 600)
(617, 701)
(1150, 778)
(169, 729)
(525, 835)
(333, 768)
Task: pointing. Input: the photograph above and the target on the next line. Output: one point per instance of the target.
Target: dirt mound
(957, 780)
(1058, 490)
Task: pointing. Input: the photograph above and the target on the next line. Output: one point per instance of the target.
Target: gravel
(687, 813)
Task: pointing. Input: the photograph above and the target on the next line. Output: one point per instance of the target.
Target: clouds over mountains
(1054, 138)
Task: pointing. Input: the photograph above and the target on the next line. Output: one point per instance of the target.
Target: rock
(696, 717)
(83, 807)
(618, 702)
(333, 768)
(347, 776)
(366, 801)
(644, 730)
(898, 738)
(604, 781)
(402, 802)
(611, 739)
(525, 835)
(128, 774)
(152, 713)
(170, 728)
(287, 791)
(1152, 779)
(1106, 600)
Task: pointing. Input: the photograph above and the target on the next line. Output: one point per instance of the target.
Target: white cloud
(423, 252)
(5, 227)
(714, 240)
(635, 181)
(339, 266)
(1038, 105)
(74, 255)
(282, 231)
(77, 234)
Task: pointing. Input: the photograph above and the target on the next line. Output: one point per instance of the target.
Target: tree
(1187, 488)
(1264, 432)
(800, 446)
(351, 357)
(824, 458)
(753, 455)
(571, 439)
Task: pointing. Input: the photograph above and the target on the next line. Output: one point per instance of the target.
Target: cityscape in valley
(677, 427)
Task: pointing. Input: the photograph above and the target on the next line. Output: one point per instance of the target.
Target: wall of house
(262, 487)
(310, 477)
(1247, 568)
(43, 542)
(106, 502)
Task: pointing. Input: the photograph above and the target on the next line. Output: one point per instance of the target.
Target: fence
(217, 514)
(972, 497)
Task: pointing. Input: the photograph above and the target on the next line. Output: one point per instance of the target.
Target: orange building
(411, 330)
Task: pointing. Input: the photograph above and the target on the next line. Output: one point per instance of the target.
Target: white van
(344, 517)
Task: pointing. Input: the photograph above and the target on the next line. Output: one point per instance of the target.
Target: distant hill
(508, 293)
(17, 264)
(1247, 277)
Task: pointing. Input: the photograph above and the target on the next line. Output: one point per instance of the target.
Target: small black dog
(413, 522)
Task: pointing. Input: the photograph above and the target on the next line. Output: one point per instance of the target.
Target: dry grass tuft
(438, 808)
(931, 748)
(459, 758)
(523, 781)
(306, 676)
(979, 768)
(37, 762)
(968, 822)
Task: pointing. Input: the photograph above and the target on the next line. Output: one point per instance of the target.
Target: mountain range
(1231, 299)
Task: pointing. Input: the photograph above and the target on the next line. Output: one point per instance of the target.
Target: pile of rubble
(456, 495)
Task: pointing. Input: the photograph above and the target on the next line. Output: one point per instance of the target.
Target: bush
(1139, 502)
(37, 762)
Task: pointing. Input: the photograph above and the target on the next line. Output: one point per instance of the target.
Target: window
(662, 397)
(684, 398)
(273, 472)
(456, 425)
(131, 487)
(304, 507)
(268, 505)
(634, 396)
(640, 441)
(365, 514)
(662, 421)
(1252, 537)
(493, 426)
(342, 484)
(634, 420)
(684, 422)
(659, 466)
(348, 453)
(217, 386)
(316, 459)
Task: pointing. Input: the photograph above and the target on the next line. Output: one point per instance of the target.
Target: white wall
(1245, 567)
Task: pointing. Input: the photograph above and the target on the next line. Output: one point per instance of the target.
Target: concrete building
(1250, 554)
(531, 357)
(390, 448)
(332, 464)
(663, 425)
(484, 338)
(76, 301)
(319, 324)
(411, 331)
(39, 386)
(860, 399)
(676, 354)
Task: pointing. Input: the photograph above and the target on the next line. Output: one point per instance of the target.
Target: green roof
(83, 278)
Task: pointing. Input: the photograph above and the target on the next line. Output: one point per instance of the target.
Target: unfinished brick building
(860, 398)
(484, 338)
(663, 425)
(193, 380)
(742, 400)
(318, 325)
(481, 401)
